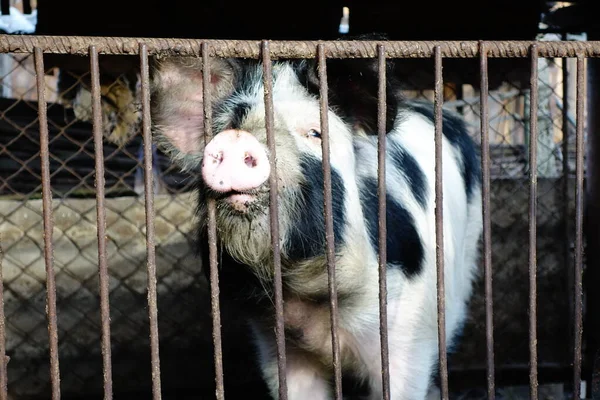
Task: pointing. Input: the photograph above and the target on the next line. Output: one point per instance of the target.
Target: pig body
(234, 168)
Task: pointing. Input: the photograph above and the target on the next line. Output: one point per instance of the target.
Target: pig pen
(184, 316)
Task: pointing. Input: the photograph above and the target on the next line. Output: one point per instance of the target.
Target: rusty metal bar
(51, 311)
(150, 215)
(3, 357)
(101, 220)
(329, 236)
(382, 196)
(212, 233)
(293, 49)
(487, 224)
(439, 224)
(533, 104)
(359, 50)
(274, 218)
(580, 105)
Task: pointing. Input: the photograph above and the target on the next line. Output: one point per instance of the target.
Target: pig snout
(235, 160)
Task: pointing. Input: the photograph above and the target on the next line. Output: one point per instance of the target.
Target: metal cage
(321, 50)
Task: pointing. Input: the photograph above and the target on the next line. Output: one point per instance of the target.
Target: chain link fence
(509, 119)
(183, 300)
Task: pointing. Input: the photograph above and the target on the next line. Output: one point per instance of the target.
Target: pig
(233, 168)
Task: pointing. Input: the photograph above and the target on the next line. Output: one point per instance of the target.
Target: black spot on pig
(238, 113)
(404, 246)
(307, 235)
(411, 170)
(455, 131)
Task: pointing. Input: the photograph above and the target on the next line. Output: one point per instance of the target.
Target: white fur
(412, 304)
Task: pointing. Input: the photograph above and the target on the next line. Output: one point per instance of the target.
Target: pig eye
(314, 133)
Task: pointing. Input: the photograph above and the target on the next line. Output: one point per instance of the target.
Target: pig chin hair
(247, 238)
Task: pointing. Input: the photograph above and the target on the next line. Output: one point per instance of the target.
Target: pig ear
(353, 91)
(177, 104)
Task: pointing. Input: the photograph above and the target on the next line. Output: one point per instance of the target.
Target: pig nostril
(249, 160)
(217, 158)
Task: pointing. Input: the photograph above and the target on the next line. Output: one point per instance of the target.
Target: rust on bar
(381, 193)
(293, 49)
(329, 235)
(48, 224)
(3, 357)
(150, 215)
(101, 220)
(487, 224)
(439, 225)
(212, 234)
(274, 219)
(580, 105)
(533, 103)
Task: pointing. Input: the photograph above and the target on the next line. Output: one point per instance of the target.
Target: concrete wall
(183, 301)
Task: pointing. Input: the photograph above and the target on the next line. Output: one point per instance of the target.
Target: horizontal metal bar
(294, 49)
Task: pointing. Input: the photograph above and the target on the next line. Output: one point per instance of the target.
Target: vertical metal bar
(439, 224)
(101, 220)
(48, 224)
(212, 233)
(381, 193)
(274, 219)
(487, 225)
(3, 358)
(579, 227)
(533, 373)
(150, 214)
(324, 100)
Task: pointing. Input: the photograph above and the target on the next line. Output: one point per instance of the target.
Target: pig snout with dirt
(234, 169)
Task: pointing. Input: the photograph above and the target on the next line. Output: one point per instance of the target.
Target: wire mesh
(183, 303)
